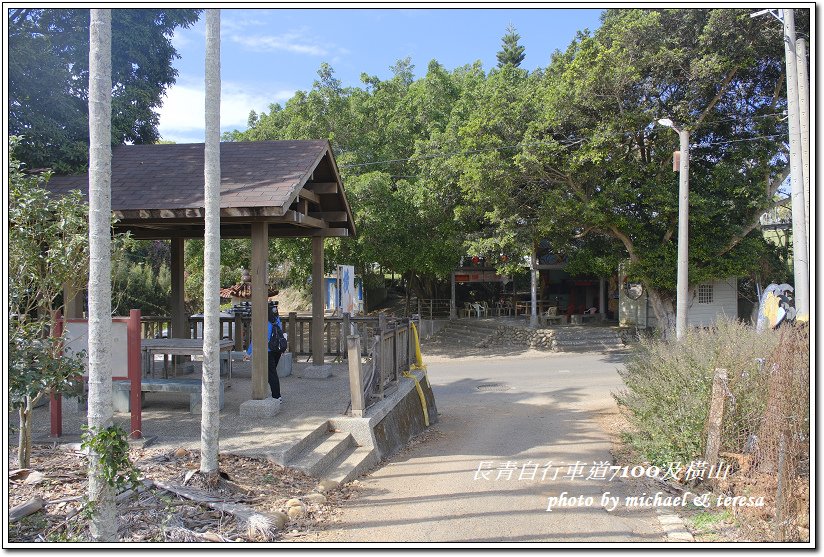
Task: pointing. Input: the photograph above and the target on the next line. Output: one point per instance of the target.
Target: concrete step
(593, 335)
(311, 440)
(459, 335)
(350, 464)
(588, 347)
(317, 460)
(582, 341)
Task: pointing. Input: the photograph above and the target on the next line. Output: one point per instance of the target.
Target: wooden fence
(391, 353)
(298, 330)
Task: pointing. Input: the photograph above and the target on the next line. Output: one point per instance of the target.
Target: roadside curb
(674, 527)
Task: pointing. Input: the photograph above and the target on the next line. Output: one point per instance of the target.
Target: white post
(103, 525)
(452, 311)
(683, 236)
(533, 316)
(800, 264)
(210, 377)
(804, 121)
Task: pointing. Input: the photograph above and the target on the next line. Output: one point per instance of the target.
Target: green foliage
(489, 163)
(669, 383)
(48, 241)
(111, 446)
(511, 51)
(137, 286)
(48, 79)
(36, 366)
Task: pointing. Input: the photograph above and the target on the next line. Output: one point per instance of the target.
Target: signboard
(348, 294)
(480, 276)
(77, 339)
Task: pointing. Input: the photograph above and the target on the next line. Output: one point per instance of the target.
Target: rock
(318, 498)
(326, 486)
(279, 519)
(181, 452)
(34, 478)
(294, 503)
(297, 511)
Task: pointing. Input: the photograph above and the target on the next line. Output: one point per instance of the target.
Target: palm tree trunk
(104, 523)
(210, 418)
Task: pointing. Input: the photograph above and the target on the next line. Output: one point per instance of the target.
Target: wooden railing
(298, 330)
(391, 353)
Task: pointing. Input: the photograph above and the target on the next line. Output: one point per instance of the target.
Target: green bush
(669, 384)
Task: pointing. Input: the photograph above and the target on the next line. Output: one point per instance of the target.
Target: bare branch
(626, 241)
(755, 223)
(714, 101)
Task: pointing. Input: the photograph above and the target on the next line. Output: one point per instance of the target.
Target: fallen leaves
(253, 506)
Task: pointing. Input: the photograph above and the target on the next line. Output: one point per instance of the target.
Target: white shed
(707, 302)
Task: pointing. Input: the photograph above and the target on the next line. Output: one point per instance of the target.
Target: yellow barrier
(419, 365)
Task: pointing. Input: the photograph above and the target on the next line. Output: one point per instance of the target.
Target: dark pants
(274, 382)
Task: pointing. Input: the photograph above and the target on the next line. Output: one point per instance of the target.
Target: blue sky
(268, 54)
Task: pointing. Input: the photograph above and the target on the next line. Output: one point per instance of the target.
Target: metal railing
(432, 308)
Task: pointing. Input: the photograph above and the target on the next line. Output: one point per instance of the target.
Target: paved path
(428, 493)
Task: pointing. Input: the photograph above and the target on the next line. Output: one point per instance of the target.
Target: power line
(548, 141)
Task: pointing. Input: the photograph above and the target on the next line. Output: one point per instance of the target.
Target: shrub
(669, 384)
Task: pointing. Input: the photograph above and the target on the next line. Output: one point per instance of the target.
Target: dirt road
(513, 434)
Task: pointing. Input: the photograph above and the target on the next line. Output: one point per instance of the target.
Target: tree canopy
(48, 79)
(473, 162)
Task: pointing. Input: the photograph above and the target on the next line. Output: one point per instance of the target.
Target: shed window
(704, 293)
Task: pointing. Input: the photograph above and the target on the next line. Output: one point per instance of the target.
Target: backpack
(277, 342)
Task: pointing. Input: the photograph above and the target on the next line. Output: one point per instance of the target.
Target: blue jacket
(268, 336)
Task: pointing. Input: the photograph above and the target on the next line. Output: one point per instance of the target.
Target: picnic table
(183, 347)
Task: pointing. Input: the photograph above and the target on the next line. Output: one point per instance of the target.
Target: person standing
(273, 355)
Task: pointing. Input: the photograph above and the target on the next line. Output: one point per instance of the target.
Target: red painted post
(135, 373)
(56, 402)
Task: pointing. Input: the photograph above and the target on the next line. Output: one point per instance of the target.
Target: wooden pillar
(180, 321)
(317, 300)
(602, 298)
(260, 328)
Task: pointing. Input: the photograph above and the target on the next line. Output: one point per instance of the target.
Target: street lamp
(683, 232)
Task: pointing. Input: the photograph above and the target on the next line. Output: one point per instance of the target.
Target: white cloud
(292, 41)
(182, 118)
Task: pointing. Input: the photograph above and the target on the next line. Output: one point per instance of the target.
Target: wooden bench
(121, 390)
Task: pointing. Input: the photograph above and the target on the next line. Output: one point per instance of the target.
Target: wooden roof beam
(323, 188)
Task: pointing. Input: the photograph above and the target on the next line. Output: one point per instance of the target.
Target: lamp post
(683, 231)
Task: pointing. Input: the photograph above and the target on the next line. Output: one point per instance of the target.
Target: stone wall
(506, 335)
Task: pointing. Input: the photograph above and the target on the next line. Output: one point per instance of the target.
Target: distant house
(707, 302)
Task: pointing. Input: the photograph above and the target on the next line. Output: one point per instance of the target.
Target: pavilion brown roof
(158, 190)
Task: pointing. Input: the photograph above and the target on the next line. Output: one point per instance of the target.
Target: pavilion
(268, 189)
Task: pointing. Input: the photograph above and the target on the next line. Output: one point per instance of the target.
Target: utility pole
(800, 254)
(804, 121)
(801, 268)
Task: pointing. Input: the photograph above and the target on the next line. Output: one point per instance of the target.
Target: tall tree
(48, 76)
(210, 418)
(48, 248)
(101, 496)
(606, 167)
(512, 52)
